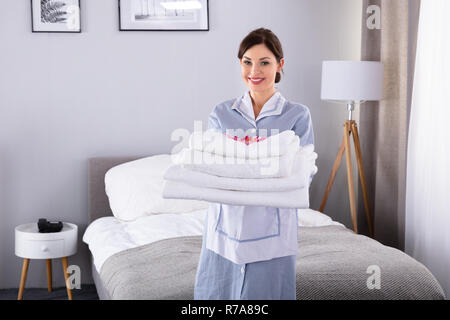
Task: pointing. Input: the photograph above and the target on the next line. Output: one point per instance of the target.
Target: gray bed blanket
(332, 263)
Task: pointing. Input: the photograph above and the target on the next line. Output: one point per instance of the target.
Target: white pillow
(134, 189)
(313, 218)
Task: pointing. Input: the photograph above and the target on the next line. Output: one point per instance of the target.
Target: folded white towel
(297, 198)
(271, 167)
(304, 167)
(216, 142)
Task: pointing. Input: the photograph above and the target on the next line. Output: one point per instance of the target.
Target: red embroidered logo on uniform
(247, 140)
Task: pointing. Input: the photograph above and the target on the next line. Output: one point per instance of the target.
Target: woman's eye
(263, 63)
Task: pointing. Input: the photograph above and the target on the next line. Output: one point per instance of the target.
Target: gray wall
(67, 97)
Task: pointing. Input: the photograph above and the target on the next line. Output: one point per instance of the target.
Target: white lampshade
(352, 80)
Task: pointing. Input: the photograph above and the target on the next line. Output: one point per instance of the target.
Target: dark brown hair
(266, 37)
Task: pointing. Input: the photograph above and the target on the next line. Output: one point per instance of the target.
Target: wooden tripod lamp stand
(351, 82)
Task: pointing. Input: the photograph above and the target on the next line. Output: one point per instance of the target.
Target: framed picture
(55, 15)
(163, 15)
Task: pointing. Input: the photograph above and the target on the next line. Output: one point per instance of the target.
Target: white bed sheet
(109, 235)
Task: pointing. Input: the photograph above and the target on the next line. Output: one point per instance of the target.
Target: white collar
(273, 106)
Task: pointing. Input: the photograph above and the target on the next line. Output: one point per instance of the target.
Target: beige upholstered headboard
(98, 204)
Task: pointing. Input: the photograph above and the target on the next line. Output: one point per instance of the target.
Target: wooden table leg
(23, 278)
(66, 277)
(49, 275)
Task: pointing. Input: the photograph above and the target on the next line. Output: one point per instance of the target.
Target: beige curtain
(383, 125)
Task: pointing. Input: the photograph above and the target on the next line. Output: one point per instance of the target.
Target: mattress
(156, 257)
(107, 236)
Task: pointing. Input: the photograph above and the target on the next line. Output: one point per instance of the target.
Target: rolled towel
(297, 198)
(216, 142)
(304, 167)
(271, 167)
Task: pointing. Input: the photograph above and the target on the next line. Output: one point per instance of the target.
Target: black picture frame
(56, 16)
(123, 27)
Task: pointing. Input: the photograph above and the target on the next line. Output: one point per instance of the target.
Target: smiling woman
(249, 252)
(261, 58)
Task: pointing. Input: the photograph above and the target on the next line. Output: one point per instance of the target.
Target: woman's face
(259, 67)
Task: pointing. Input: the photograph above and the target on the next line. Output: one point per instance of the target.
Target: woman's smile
(256, 80)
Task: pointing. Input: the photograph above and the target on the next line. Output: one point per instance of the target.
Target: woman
(249, 252)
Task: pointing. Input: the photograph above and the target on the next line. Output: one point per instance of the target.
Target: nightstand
(31, 244)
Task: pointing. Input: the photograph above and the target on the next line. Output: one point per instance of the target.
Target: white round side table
(31, 244)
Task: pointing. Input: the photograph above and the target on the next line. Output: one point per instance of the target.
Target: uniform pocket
(248, 223)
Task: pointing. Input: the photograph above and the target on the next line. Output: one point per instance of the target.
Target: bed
(156, 257)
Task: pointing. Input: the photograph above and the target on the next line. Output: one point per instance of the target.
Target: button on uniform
(242, 269)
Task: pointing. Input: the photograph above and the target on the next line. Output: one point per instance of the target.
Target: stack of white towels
(269, 171)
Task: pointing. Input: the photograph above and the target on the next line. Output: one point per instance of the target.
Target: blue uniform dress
(271, 273)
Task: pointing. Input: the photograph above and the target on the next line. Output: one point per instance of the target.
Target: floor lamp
(351, 82)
